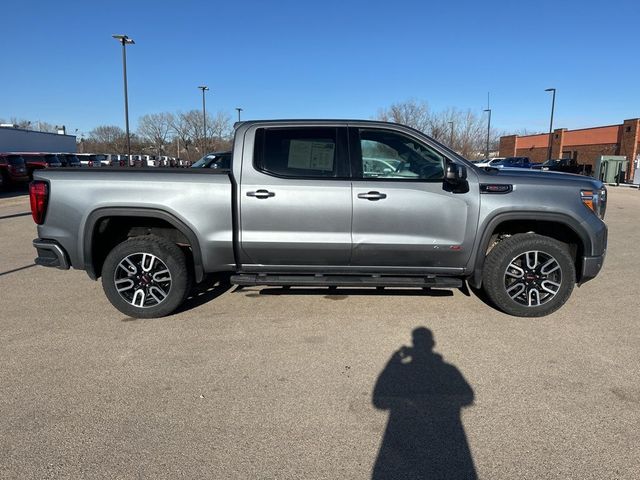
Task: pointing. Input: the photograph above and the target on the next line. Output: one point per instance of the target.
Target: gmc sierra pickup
(325, 203)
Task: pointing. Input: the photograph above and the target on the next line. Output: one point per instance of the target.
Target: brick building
(584, 145)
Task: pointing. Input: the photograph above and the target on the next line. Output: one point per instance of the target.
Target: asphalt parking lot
(267, 383)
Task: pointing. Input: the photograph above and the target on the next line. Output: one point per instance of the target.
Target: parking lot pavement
(267, 383)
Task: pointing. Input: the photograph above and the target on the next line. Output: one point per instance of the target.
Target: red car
(36, 161)
(13, 170)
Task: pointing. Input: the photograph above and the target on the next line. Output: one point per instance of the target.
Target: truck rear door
(295, 197)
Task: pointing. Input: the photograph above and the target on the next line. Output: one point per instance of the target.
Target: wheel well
(111, 230)
(556, 230)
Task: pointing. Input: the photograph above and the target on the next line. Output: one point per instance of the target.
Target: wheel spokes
(124, 284)
(142, 280)
(533, 278)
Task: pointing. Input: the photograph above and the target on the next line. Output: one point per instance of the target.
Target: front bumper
(591, 266)
(50, 254)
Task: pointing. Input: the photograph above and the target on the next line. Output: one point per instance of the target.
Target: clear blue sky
(293, 59)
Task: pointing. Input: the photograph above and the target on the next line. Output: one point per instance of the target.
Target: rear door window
(304, 152)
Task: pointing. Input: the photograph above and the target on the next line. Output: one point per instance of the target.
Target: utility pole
(204, 120)
(553, 105)
(488, 132)
(124, 40)
(239, 110)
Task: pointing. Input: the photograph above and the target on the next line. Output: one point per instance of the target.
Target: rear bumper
(50, 254)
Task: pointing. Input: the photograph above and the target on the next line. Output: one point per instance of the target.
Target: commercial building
(21, 140)
(585, 145)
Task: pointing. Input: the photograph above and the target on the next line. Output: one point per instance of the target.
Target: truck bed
(201, 199)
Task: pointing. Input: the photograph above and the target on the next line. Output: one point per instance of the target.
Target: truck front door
(402, 214)
(295, 197)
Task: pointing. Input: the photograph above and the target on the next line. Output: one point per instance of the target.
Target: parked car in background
(221, 160)
(514, 162)
(90, 159)
(150, 160)
(111, 160)
(38, 161)
(135, 161)
(13, 170)
(488, 163)
(565, 165)
(69, 159)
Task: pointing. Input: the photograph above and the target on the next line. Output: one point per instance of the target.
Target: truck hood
(518, 175)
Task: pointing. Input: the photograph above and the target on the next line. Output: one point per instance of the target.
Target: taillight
(38, 195)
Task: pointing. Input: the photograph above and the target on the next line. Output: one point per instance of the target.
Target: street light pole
(239, 110)
(488, 131)
(451, 139)
(204, 120)
(553, 105)
(124, 40)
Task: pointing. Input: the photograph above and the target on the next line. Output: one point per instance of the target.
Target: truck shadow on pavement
(211, 288)
(424, 438)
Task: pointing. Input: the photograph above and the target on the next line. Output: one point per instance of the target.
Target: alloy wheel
(533, 278)
(142, 280)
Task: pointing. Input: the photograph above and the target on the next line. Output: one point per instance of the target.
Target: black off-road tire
(169, 255)
(496, 280)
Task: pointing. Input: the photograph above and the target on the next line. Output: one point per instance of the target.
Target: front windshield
(203, 161)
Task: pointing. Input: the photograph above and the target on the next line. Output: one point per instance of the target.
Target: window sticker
(311, 155)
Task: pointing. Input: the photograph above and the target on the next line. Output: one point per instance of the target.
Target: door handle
(373, 196)
(261, 194)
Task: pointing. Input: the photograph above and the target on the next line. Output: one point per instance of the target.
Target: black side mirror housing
(455, 178)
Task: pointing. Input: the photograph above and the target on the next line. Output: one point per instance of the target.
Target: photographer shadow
(425, 438)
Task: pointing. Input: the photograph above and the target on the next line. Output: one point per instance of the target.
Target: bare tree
(156, 129)
(469, 134)
(413, 113)
(188, 129)
(21, 122)
(106, 138)
(219, 130)
(44, 127)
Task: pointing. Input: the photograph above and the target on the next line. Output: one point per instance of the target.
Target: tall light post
(451, 137)
(553, 106)
(204, 88)
(238, 110)
(488, 131)
(124, 41)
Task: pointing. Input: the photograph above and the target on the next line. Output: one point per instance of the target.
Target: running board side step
(277, 280)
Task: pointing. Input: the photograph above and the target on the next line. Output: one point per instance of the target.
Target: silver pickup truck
(325, 203)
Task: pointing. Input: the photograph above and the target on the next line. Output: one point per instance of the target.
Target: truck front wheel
(529, 275)
(146, 277)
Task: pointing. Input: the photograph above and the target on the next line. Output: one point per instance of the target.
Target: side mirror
(455, 178)
(455, 173)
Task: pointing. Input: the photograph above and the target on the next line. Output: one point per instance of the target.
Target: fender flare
(100, 213)
(478, 263)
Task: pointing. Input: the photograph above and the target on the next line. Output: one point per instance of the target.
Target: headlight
(595, 200)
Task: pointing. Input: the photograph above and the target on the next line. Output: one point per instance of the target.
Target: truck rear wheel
(529, 275)
(146, 277)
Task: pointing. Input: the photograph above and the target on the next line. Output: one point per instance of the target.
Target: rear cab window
(302, 152)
